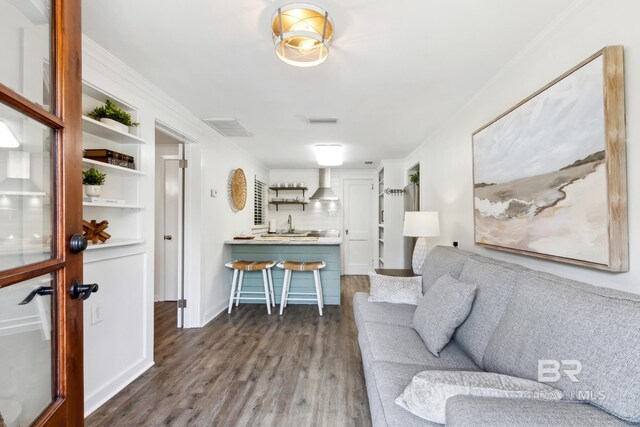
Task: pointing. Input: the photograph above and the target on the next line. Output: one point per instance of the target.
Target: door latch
(81, 291)
(42, 290)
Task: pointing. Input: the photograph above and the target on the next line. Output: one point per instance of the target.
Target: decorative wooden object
(238, 189)
(94, 231)
(531, 198)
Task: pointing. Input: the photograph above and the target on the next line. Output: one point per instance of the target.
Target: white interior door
(172, 200)
(358, 243)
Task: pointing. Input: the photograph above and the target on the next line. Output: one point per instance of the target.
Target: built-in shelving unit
(112, 243)
(112, 169)
(111, 205)
(390, 214)
(101, 130)
(122, 183)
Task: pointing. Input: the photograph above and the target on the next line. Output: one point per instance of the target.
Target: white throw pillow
(426, 396)
(397, 290)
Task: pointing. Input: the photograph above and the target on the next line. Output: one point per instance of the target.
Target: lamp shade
(421, 224)
(302, 34)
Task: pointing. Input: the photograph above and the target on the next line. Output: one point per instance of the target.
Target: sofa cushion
(381, 312)
(442, 260)
(390, 380)
(427, 394)
(495, 281)
(556, 319)
(464, 411)
(442, 309)
(395, 290)
(390, 343)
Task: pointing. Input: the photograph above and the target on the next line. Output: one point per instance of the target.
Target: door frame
(184, 313)
(67, 407)
(374, 214)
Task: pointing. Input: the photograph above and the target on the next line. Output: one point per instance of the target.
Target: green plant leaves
(111, 111)
(93, 177)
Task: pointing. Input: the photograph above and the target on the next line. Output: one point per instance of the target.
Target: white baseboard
(213, 314)
(107, 391)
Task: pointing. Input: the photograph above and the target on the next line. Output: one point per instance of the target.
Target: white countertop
(326, 241)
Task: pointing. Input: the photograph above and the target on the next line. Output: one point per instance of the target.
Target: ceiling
(396, 70)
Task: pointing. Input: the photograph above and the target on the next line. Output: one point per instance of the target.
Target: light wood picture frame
(549, 174)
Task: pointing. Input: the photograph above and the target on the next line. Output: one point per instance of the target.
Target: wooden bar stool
(239, 267)
(289, 267)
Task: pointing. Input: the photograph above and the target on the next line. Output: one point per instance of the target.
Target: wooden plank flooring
(250, 369)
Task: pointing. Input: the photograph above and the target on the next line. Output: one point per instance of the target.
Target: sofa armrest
(486, 411)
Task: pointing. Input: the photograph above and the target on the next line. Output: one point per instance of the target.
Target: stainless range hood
(324, 191)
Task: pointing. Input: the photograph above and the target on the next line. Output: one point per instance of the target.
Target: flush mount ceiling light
(302, 34)
(7, 138)
(328, 154)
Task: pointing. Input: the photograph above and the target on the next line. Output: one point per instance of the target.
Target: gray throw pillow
(397, 290)
(427, 393)
(442, 309)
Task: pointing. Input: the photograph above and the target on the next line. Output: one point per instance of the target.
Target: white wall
(317, 215)
(446, 162)
(110, 365)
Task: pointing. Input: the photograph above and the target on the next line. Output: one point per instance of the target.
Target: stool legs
(240, 280)
(233, 289)
(273, 294)
(316, 281)
(283, 297)
(286, 288)
(267, 292)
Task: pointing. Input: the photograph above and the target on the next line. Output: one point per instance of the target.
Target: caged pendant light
(302, 34)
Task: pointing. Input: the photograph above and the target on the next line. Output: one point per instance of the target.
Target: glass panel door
(40, 209)
(26, 190)
(25, 46)
(25, 351)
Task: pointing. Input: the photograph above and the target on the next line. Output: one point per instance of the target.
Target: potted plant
(112, 115)
(415, 178)
(93, 180)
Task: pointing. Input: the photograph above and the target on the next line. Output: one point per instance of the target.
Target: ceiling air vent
(322, 120)
(228, 127)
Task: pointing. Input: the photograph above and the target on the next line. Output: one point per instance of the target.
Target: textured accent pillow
(427, 393)
(397, 290)
(442, 309)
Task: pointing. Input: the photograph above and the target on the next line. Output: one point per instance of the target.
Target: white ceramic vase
(92, 190)
(116, 125)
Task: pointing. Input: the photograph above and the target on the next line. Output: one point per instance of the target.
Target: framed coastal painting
(549, 175)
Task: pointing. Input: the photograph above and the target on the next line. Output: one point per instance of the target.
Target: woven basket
(238, 189)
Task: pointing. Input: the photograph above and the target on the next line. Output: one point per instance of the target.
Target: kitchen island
(299, 249)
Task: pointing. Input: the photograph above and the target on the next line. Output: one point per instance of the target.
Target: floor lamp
(420, 225)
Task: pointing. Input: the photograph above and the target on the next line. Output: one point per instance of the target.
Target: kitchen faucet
(290, 222)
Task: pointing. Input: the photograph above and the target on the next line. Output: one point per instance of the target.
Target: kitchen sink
(299, 233)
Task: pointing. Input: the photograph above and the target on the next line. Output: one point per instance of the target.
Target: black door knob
(77, 243)
(81, 291)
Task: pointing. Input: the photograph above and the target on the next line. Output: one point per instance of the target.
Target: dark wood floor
(250, 369)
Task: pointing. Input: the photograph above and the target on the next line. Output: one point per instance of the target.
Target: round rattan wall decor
(238, 189)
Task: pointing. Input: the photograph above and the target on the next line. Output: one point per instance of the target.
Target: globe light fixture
(302, 34)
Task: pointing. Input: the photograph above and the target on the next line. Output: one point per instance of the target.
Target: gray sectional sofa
(519, 317)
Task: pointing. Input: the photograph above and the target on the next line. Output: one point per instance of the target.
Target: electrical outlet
(97, 314)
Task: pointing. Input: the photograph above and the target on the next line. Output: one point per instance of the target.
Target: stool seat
(303, 266)
(251, 265)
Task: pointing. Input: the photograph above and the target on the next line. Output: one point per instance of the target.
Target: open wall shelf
(112, 169)
(101, 130)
